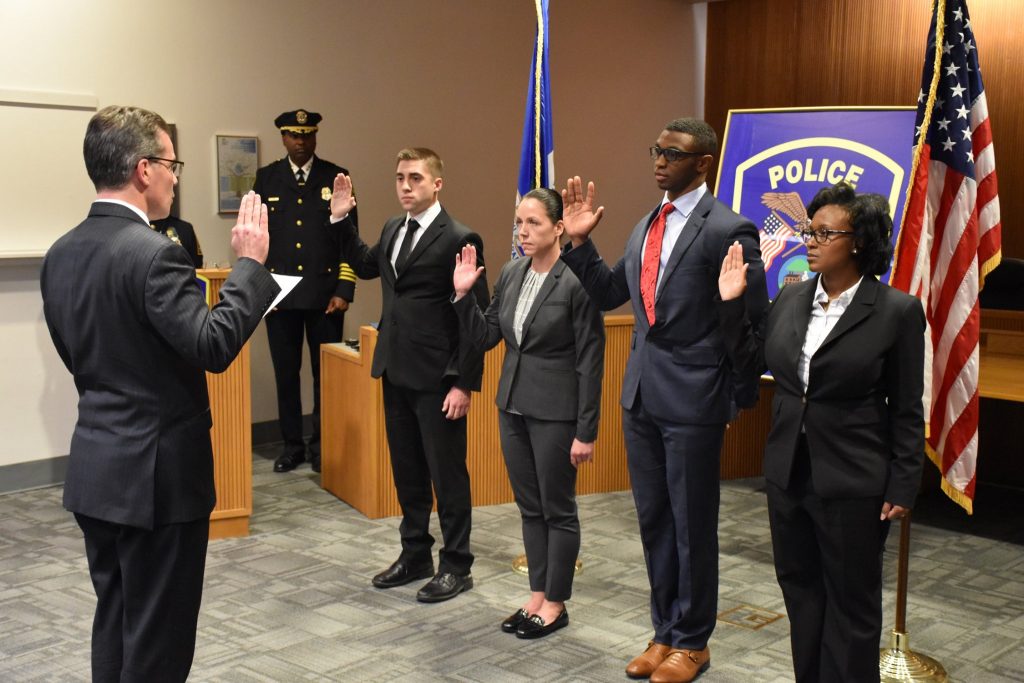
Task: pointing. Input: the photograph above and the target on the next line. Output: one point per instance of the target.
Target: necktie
(652, 259)
(403, 251)
(300, 176)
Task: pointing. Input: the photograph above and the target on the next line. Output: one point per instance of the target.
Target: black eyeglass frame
(176, 166)
(672, 154)
(821, 235)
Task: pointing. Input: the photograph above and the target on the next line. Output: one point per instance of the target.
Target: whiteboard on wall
(44, 189)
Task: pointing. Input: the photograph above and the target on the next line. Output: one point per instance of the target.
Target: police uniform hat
(298, 121)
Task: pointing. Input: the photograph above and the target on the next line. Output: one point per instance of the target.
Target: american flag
(951, 239)
(773, 238)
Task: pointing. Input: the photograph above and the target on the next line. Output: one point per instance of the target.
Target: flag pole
(898, 663)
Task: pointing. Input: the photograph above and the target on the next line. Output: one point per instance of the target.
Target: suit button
(271, 270)
(298, 223)
(298, 245)
(299, 268)
(300, 200)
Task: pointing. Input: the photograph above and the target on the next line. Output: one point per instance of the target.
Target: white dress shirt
(306, 168)
(821, 323)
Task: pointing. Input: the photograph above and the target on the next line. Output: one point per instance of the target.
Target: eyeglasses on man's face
(173, 165)
(672, 154)
(821, 235)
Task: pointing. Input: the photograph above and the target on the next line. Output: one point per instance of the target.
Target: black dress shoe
(444, 586)
(286, 462)
(401, 573)
(512, 623)
(314, 462)
(534, 627)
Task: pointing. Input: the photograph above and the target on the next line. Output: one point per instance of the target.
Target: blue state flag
(537, 161)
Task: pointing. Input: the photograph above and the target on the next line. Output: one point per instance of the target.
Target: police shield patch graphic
(774, 161)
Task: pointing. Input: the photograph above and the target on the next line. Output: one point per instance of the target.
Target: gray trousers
(544, 483)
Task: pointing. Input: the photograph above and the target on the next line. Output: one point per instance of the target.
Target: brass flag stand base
(898, 663)
(520, 567)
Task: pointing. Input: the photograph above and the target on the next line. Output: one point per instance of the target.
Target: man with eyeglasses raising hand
(680, 389)
(130, 323)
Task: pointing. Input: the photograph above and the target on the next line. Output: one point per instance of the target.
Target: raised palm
(732, 279)
(466, 271)
(578, 213)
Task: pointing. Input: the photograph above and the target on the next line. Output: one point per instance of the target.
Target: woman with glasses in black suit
(845, 450)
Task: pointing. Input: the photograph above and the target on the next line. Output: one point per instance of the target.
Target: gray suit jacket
(555, 374)
(129, 321)
(678, 367)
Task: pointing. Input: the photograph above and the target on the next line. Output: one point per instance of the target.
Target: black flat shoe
(401, 573)
(512, 623)
(534, 627)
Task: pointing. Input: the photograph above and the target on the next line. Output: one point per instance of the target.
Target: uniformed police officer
(297, 190)
(181, 232)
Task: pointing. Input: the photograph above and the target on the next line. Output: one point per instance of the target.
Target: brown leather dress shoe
(644, 665)
(682, 666)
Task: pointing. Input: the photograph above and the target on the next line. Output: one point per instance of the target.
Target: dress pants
(544, 483)
(828, 561)
(285, 329)
(148, 588)
(673, 469)
(428, 448)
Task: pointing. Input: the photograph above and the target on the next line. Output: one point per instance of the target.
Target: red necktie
(652, 259)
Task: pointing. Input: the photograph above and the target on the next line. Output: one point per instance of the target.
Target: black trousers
(285, 328)
(428, 457)
(148, 588)
(544, 483)
(673, 469)
(828, 561)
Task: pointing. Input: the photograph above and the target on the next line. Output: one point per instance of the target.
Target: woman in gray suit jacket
(846, 446)
(548, 397)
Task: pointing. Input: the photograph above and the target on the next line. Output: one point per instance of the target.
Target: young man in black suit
(297, 190)
(131, 324)
(427, 372)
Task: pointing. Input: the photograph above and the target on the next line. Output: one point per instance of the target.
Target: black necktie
(300, 176)
(403, 251)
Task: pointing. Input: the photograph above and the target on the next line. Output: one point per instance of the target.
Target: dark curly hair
(870, 220)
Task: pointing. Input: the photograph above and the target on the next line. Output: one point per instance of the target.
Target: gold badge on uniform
(325, 194)
(300, 117)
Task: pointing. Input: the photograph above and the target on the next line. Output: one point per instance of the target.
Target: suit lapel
(430, 234)
(545, 290)
(860, 307)
(693, 226)
(801, 316)
(387, 240)
(510, 294)
(634, 255)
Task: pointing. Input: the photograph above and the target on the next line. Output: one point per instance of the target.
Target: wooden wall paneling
(802, 53)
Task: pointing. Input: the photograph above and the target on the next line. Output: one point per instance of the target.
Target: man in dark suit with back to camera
(297, 190)
(679, 390)
(426, 370)
(129, 321)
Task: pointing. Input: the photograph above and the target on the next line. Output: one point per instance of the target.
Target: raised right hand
(249, 237)
(342, 199)
(732, 280)
(466, 272)
(578, 214)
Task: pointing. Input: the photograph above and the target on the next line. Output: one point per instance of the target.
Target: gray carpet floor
(293, 601)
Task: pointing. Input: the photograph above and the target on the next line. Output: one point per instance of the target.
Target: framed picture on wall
(237, 161)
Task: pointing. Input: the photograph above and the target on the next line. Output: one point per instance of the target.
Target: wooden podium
(356, 462)
(231, 409)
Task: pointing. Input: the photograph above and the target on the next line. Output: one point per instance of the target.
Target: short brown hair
(426, 155)
(116, 138)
